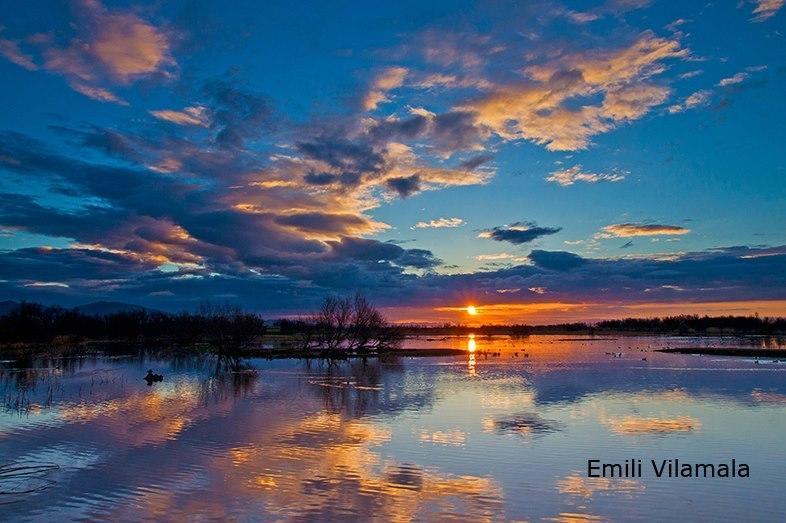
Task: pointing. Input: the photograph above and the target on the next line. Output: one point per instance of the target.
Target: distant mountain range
(96, 308)
(7, 306)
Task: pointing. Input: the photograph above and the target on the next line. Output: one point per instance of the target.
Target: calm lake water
(501, 433)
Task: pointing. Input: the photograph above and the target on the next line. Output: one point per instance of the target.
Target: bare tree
(229, 330)
(349, 325)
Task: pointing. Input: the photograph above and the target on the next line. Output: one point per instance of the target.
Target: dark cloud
(375, 251)
(65, 265)
(236, 114)
(458, 131)
(110, 142)
(405, 129)
(343, 154)
(404, 186)
(519, 232)
(448, 132)
(24, 213)
(125, 187)
(320, 178)
(556, 260)
(418, 258)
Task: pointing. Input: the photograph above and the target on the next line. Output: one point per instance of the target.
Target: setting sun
(471, 310)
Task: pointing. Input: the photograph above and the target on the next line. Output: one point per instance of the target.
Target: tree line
(679, 324)
(342, 325)
(221, 326)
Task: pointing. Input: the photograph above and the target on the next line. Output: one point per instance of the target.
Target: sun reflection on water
(471, 348)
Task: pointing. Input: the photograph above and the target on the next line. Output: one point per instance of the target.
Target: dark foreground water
(502, 433)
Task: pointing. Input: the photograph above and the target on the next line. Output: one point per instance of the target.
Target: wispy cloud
(11, 51)
(567, 177)
(731, 80)
(691, 74)
(696, 99)
(766, 9)
(98, 93)
(47, 284)
(439, 223)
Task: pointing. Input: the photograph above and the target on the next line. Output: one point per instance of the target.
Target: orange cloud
(129, 47)
(389, 79)
(627, 230)
(541, 110)
(111, 46)
(196, 115)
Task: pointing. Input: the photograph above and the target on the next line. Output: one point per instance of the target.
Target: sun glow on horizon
(472, 310)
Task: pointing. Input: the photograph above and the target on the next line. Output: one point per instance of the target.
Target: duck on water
(151, 377)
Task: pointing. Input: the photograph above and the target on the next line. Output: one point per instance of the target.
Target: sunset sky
(542, 161)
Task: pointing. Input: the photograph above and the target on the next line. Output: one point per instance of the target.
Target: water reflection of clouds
(575, 517)
(761, 397)
(637, 426)
(523, 424)
(454, 437)
(349, 464)
(149, 416)
(579, 486)
(327, 466)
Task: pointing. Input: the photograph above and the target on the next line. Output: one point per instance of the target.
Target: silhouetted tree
(348, 324)
(228, 330)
